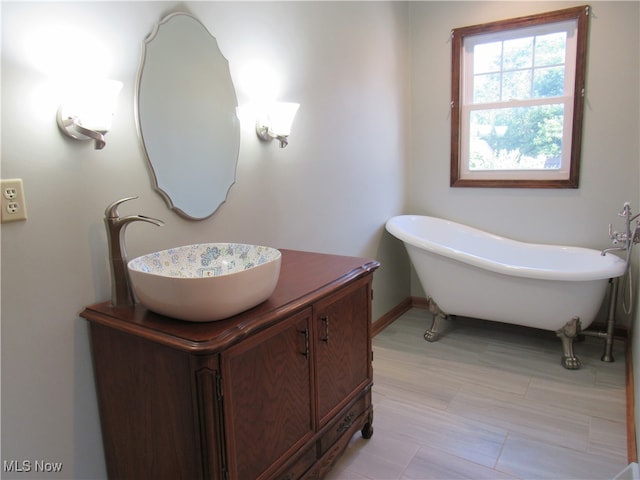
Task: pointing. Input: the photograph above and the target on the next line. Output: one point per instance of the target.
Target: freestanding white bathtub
(472, 273)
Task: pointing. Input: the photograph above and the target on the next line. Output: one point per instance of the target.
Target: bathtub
(473, 273)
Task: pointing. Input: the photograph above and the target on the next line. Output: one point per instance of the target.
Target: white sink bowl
(205, 282)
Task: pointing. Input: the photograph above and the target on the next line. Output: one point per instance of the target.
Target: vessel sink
(205, 282)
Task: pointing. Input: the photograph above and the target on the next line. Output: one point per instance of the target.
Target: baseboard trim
(396, 312)
(391, 316)
(420, 302)
(632, 447)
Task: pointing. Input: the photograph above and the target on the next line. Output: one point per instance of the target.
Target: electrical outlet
(12, 200)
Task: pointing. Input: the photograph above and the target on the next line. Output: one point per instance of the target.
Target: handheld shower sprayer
(628, 238)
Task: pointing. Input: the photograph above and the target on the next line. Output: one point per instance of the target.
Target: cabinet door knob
(325, 321)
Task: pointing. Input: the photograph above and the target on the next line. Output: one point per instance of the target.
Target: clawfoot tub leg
(433, 333)
(567, 334)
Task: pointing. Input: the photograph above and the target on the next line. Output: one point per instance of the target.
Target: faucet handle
(626, 210)
(112, 209)
(616, 237)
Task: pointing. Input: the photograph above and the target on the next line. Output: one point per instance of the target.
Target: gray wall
(370, 141)
(330, 190)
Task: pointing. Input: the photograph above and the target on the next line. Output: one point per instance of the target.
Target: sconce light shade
(88, 113)
(276, 122)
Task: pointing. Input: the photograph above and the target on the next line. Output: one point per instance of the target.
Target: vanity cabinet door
(343, 348)
(267, 397)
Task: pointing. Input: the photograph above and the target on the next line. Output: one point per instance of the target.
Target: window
(517, 101)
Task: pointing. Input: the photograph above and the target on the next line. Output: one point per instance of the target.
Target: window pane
(548, 82)
(550, 49)
(487, 57)
(516, 85)
(486, 88)
(519, 138)
(518, 53)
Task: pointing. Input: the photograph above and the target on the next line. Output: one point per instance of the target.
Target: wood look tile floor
(489, 401)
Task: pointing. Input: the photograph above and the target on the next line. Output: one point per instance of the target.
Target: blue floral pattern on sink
(204, 260)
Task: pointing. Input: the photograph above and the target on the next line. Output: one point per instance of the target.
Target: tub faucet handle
(616, 237)
(626, 210)
(612, 235)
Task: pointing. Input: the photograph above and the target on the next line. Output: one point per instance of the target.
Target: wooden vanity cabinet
(273, 393)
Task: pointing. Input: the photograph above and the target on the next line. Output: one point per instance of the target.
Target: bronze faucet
(121, 292)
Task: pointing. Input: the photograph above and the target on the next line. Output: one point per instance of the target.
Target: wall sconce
(276, 122)
(87, 114)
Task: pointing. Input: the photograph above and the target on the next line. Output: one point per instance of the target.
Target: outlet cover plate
(13, 206)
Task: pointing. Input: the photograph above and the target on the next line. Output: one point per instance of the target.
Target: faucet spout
(612, 249)
(121, 291)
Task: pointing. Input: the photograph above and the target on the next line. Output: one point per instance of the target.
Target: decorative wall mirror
(517, 101)
(186, 116)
